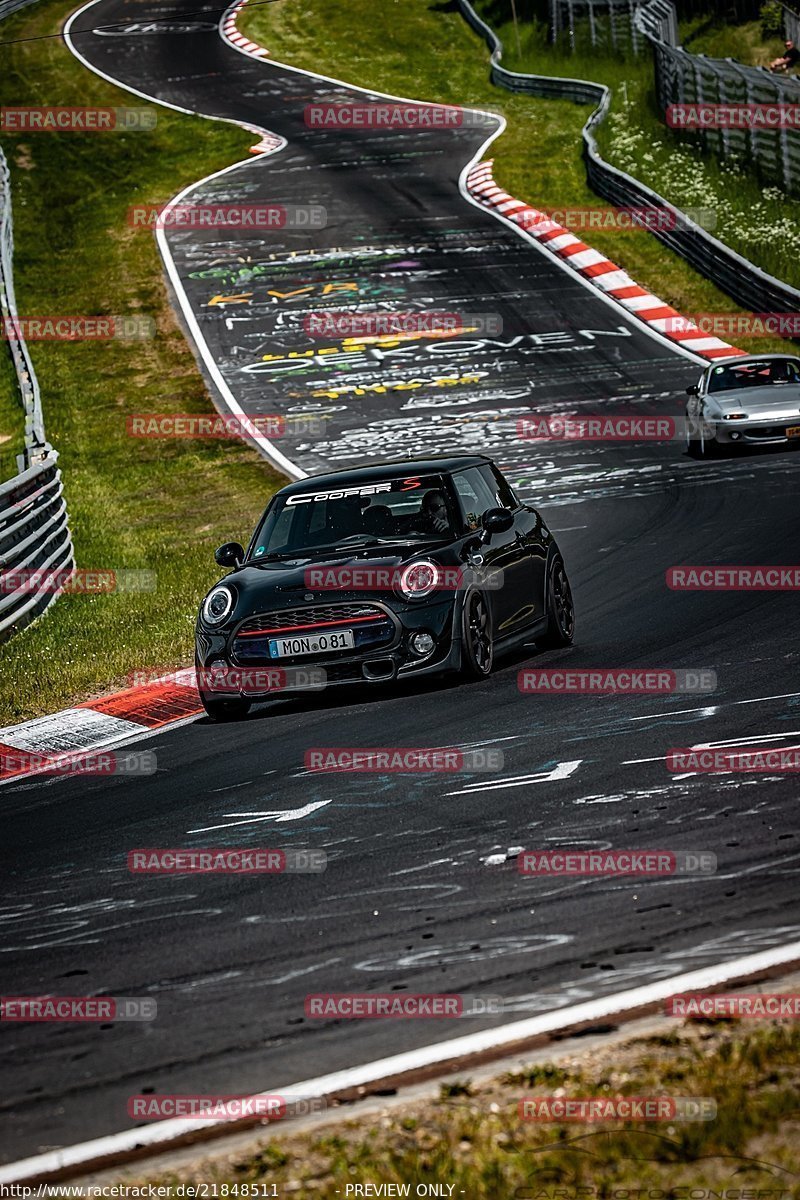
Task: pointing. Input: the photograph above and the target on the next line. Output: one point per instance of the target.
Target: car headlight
(217, 605)
(418, 579)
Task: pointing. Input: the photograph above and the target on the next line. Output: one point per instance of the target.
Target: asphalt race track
(408, 901)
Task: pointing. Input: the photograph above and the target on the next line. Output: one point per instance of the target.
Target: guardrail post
(35, 539)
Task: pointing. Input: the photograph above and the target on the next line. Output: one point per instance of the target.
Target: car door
(530, 546)
(503, 553)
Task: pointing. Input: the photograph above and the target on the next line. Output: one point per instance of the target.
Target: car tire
(701, 447)
(560, 608)
(225, 708)
(477, 643)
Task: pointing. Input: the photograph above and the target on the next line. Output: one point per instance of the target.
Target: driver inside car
(433, 516)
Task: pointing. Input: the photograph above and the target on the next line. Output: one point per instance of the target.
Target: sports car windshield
(754, 374)
(412, 510)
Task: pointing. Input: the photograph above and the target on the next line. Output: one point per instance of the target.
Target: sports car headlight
(734, 416)
(217, 605)
(418, 579)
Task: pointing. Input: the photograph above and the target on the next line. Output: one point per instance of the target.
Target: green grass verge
(431, 54)
(473, 1138)
(160, 506)
(746, 43)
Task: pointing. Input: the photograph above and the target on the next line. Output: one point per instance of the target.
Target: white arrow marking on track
(560, 771)
(277, 815)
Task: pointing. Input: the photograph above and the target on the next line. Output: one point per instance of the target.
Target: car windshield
(413, 510)
(754, 374)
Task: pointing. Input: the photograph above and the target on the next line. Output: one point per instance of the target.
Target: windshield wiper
(273, 556)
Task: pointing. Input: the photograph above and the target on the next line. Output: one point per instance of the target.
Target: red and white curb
(605, 275)
(232, 34)
(98, 724)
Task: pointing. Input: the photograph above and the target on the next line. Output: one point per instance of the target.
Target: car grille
(317, 616)
(766, 431)
(373, 629)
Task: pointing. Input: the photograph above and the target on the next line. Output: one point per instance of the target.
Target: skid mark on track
(485, 949)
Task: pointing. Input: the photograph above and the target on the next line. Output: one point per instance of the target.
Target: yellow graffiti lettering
(241, 298)
(339, 287)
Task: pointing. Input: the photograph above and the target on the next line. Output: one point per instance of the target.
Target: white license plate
(316, 643)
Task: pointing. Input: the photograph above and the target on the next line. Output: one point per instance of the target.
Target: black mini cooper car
(384, 571)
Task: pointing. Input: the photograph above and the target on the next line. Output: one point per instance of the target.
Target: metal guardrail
(34, 535)
(34, 543)
(659, 20)
(684, 78)
(26, 376)
(7, 7)
(744, 282)
(791, 24)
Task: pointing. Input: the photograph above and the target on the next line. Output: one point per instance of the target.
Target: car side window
(503, 494)
(475, 496)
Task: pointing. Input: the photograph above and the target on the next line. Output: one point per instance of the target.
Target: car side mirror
(229, 555)
(496, 520)
(694, 390)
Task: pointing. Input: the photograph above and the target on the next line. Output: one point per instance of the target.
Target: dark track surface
(407, 902)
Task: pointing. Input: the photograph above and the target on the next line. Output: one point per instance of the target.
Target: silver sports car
(754, 400)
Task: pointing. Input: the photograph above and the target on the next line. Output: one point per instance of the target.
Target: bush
(771, 16)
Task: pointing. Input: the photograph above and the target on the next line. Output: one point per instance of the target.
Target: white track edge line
(159, 1135)
(264, 444)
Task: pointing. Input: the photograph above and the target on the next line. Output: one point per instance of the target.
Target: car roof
(398, 468)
